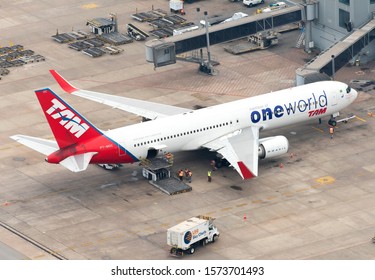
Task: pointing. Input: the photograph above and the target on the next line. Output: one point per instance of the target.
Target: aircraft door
(121, 150)
(335, 98)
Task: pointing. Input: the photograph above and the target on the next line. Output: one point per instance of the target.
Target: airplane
(230, 129)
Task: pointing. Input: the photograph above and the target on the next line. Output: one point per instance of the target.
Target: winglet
(246, 173)
(64, 84)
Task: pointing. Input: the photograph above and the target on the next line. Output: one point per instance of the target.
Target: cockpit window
(348, 89)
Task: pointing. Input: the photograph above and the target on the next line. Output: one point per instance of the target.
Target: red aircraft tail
(67, 125)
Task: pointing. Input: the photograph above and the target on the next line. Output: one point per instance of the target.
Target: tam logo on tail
(68, 119)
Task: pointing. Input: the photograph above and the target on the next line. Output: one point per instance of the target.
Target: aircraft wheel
(192, 250)
(204, 242)
(332, 122)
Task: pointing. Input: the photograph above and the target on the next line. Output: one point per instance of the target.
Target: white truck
(251, 3)
(274, 7)
(176, 6)
(186, 236)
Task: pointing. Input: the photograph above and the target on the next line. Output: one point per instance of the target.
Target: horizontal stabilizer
(77, 163)
(44, 146)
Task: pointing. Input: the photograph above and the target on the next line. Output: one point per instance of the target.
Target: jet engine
(272, 147)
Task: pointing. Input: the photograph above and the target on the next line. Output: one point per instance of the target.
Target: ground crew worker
(213, 165)
(168, 157)
(209, 176)
(190, 174)
(186, 172)
(181, 174)
(331, 131)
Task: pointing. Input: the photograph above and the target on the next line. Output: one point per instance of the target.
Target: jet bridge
(163, 51)
(339, 54)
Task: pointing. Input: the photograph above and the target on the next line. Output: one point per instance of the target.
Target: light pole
(209, 68)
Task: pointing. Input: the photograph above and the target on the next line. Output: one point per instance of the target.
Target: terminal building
(338, 18)
(342, 30)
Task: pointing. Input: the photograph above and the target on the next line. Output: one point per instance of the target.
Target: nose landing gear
(332, 121)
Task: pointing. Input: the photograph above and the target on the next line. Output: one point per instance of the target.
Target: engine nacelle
(272, 147)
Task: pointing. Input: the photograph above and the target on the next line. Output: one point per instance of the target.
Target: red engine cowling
(272, 147)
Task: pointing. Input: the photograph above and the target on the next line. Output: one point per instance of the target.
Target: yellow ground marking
(271, 197)
(288, 194)
(5, 148)
(226, 209)
(241, 205)
(89, 6)
(318, 129)
(325, 180)
(257, 201)
(360, 174)
(164, 225)
(302, 190)
(360, 119)
(87, 244)
(38, 257)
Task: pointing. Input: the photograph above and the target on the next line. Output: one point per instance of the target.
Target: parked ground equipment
(186, 236)
(177, 6)
(260, 41)
(251, 3)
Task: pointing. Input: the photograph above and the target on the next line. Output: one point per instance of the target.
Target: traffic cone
(244, 217)
(6, 203)
(281, 165)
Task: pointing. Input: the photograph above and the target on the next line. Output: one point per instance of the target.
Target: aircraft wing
(147, 109)
(240, 149)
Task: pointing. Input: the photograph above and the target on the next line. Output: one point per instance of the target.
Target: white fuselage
(190, 131)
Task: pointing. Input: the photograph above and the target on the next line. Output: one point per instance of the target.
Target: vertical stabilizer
(67, 125)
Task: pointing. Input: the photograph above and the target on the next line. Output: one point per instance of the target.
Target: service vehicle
(274, 7)
(251, 3)
(109, 166)
(260, 41)
(235, 16)
(176, 6)
(186, 236)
